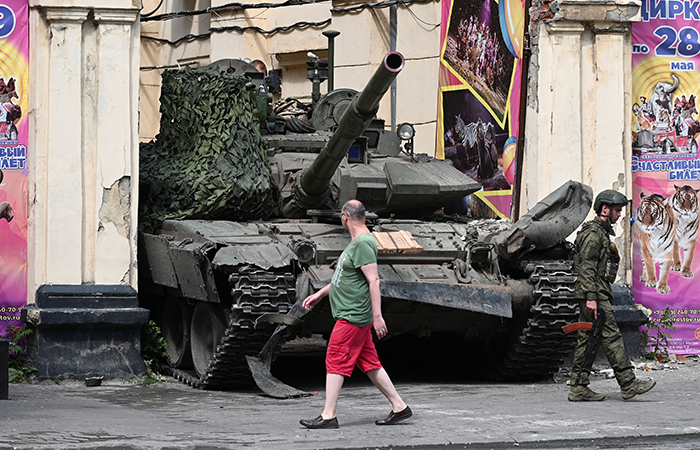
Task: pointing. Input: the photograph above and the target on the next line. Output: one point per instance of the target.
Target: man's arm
(588, 271)
(372, 276)
(312, 299)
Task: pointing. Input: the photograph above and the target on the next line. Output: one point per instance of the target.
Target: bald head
(354, 209)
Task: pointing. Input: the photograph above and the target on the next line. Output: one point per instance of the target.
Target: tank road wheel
(208, 326)
(177, 315)
(222, 335)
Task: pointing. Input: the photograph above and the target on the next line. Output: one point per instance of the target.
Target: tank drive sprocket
(539, 349)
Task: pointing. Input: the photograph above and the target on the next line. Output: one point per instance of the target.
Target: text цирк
(670, 9)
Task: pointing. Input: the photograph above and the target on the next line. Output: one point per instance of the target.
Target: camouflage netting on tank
(207, 162)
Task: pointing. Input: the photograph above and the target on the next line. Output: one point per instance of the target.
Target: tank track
(255, 293)
(541, 347)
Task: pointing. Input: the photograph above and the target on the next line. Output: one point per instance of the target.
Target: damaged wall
(579, 88)
(84, 138)
(113, 230)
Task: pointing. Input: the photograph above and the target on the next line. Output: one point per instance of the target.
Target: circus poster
(14, 87)
(479, 100)
(666, 167)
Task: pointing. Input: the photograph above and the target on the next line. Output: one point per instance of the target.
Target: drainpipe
(520, 153)
(392, 47)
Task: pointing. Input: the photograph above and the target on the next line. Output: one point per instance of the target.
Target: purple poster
(14, 101)
(665, 165)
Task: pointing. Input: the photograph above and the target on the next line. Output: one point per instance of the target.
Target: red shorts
(348, 346)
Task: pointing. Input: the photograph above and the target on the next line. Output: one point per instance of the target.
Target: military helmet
(609, 197)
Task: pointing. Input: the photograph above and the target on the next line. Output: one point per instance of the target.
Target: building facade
(95, 71)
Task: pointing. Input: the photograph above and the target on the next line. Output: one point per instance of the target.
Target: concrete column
(577, 126)
(578, 120)
(83, 173)
(62, 236)
(110, 211)
(84, 143)
(559, 121)
(610, 160)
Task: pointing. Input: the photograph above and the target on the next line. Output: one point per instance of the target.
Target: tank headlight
(405, 131)
(305, 250)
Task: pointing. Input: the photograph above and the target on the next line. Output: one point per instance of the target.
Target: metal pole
(4, 369)
(392, 47)
(520, 153)
(331, 35)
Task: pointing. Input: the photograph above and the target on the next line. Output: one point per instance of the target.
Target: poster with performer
(665, 165)
(479, 101)
(14, 102)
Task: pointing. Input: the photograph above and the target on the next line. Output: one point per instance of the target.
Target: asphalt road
(447, 415)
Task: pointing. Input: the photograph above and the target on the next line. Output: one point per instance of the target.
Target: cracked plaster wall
(113, 230)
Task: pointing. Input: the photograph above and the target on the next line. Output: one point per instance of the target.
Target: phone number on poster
(677, 313)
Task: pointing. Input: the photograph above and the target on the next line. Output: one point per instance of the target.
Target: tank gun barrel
(311, 188)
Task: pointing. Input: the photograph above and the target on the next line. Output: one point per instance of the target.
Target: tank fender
(521, 290)
(549, 222)
(265, 256)
(261, 363)
(159, 261)
(194, 272)
(182, 265)
(483, 299)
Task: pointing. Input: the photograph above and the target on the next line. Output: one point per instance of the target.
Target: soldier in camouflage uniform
(597, 261)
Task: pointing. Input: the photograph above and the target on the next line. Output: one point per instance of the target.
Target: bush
(19, 368)
(654, 340)
(153, 352)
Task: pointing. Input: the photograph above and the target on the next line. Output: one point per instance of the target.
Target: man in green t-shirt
(356, 304)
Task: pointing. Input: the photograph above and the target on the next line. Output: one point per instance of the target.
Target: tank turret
(311, 185)
(361, 160)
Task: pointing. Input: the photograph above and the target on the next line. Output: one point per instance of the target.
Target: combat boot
(584, 394)
(636, 387)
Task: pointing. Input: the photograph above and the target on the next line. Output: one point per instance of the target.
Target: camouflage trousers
(613, 347)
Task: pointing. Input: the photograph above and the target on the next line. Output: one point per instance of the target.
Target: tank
(228, 294)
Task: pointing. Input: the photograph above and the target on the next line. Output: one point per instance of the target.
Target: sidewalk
(171, 415)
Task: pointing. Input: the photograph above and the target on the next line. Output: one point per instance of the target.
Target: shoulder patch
(593, 253)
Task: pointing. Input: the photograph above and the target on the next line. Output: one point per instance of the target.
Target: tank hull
(252, 274)
(228, 294)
